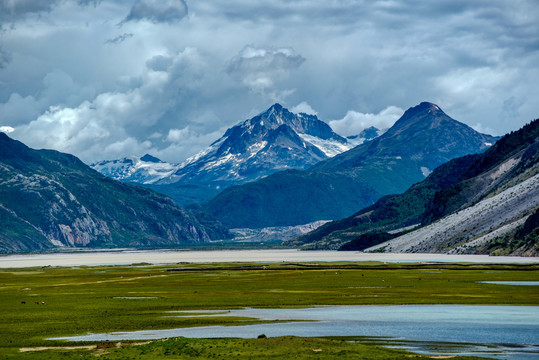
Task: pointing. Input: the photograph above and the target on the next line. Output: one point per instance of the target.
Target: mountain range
(482, 203)
(53, 200)
(486, 201)
(422, 139)
(274, 140)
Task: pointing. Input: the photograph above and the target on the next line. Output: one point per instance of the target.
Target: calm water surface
(505, 332)
(517, 283)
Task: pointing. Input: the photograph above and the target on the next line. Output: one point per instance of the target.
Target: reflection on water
(509, 332)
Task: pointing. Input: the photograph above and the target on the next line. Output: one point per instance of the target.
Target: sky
(104, 79)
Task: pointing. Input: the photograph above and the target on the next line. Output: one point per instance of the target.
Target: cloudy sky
(103, 79)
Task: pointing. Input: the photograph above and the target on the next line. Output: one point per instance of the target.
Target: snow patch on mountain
(146, 169)
(329, 147)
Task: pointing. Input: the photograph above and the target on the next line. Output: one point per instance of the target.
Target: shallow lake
(508, 332)
(126, 257)
(516, 283)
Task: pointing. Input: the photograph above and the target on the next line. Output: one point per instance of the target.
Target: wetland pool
(514, 283)
(502, 332)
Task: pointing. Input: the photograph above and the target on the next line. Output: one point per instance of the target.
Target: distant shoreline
(160, 257)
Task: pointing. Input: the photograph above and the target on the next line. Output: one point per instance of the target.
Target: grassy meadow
(73, 301)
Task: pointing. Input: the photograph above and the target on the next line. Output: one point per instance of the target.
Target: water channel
(502, 332)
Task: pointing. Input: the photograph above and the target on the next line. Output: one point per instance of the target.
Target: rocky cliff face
(49, 199)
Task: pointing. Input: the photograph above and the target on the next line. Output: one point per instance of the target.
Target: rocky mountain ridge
(49, 199)
(274, 140)
(422, 139)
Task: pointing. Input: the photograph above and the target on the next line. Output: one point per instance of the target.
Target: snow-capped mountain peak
(275, 139)
(145, 170)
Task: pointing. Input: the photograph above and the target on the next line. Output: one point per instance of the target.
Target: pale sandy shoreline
(128, 257)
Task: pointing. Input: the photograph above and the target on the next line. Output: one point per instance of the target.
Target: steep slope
(49, 199)
(457, 185)
(389, 213)
(523, 241)
(478, 211)
(423, 138)
(474, 225)
(282, 200)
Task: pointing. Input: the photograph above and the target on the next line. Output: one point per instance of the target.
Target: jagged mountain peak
(275, 108)
(150, 158)
(273, 140)
(277, 115)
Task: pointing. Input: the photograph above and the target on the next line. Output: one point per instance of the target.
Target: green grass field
(116, 298)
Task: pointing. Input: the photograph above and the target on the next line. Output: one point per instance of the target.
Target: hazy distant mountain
(274, 140)
(422, 139)
(49, 199)
(367, 134)
(144, 170)
(474, 204)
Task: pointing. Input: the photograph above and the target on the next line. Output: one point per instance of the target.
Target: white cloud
(120, 123)
(354, 122)
(6, 129)
(178, 135)
(160, 63)
(303, 107)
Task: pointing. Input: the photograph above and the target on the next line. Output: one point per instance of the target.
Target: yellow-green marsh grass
(74, 301)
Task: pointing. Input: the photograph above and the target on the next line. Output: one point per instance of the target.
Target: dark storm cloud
(89, 2)
(12, 9)
(159, 63)
(158, 11)
(73, 82)
(261, 68)
(5, 58)
(120, 38)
